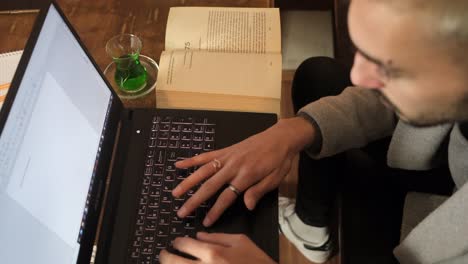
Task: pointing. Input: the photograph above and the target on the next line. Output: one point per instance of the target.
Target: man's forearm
(301, 132)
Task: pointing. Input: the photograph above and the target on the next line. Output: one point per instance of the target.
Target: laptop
(84, 180)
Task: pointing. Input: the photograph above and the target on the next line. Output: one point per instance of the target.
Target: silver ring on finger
(234, 189)
(216, 165)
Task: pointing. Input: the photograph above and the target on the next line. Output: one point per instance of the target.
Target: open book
(221, 59)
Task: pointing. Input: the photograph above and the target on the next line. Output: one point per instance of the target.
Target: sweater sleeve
(349, 120)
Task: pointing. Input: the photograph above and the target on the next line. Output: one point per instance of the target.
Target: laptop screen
(49, 148)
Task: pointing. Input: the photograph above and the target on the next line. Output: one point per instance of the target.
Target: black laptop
(83, 179)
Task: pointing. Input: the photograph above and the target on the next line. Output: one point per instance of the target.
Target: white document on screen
(47, 181)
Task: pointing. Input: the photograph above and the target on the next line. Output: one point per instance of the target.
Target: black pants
(372, 193)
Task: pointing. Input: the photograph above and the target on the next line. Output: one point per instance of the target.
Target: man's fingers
(225, 199)
(207, 189)
(221, 239)
(196, 248)
(168, 258)
(198, 160)
(256, 192)
(202, 173)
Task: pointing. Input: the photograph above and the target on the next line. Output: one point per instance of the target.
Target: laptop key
(161, 243)
(198, 137)
(144, 199)
(149, 162)
(163, 231)
(164, 127)
(165, 209)
(145, 190)
(185, 144)
(170, 177)
(189, 223)
(173, 144)
(186, 135)
(150, 224)
(137, 241)
(156, 119)
(198, 128)
(147, 249)
(166, 120)
(140, 220)
(139, 230)
(190, 233)
(148, 170)
(177, 229)
(172, 155)
(175, 136)
(176, 219)
(187, 128)
(154, 191)
(209, 137)
(176, 128)
(159, 169)
(208, 146)
(199, 120)
(210, 129)
(197, 144)
(196, 152)
(160, 156)
(190, 192)
(145, 259)
(156, 181)
(183, 154)
(153, 202)
(164, 219)
(162, 143)
(136, 252)
(142, 209)
(149, 236)
(182, 120)
(170, 166)
(150, 152)
(163, 135)
(176, 205)
(152, 213)
(147, 180)
(166, 197)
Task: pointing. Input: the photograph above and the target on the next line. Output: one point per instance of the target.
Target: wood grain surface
(97, 21)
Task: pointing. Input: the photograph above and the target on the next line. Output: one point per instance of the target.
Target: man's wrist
(301, 132)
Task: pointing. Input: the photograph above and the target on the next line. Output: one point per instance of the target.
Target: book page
(8, 63)
(220, 73)
(218, 29)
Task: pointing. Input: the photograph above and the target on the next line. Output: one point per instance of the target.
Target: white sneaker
(318, 251)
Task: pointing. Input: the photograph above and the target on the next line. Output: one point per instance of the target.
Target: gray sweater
(357, 117)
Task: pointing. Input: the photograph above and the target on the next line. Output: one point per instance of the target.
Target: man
(410, 76)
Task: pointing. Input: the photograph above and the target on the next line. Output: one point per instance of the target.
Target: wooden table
(97, 21)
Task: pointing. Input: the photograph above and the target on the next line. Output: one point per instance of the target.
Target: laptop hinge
(106, 190)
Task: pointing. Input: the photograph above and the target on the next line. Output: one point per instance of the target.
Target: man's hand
(256, 165)
(216, 248)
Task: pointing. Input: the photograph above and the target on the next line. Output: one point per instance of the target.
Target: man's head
(415, 54)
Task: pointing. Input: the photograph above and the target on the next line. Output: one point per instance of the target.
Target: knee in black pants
(317, 77)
